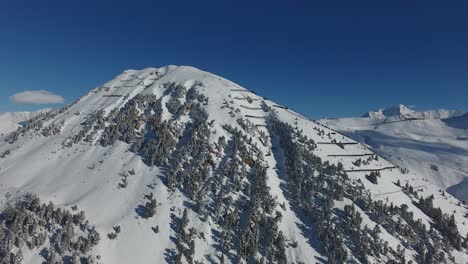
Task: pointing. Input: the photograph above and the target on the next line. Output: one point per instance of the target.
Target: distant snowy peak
(397, 110)
(401, 111)
(443, 113)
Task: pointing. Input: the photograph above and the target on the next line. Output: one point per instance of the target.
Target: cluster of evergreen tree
(192, 159)
(36, 123)
(113, 235)
(94, 121)
(194, 95)
(159, 142)
(320, 131)
(5, 153)
(139, 122)
(126, 122)
(176, 91)
(149, 209)
(33, 124)
(315, 185)
(31, 224)
(361, 161)
(124, 182)
(158, 138)
(185, 241)
(260, 235)
(246, 125)
(53, 129)
(372, 177)
(249, 221)
(265, 107)
(444, 223)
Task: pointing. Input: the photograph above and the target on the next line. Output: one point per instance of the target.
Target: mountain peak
(200, 169)
(395, 110)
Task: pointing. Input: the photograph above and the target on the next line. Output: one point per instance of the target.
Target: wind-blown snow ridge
(178, 165)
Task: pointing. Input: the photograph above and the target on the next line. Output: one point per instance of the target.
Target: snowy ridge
(402, 112)
(178, 165)
(10, 121)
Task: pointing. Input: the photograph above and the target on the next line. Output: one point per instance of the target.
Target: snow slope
(10, 121)
(417, 145)
(66, 163)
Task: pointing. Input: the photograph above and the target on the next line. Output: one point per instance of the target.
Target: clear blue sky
(322, 58)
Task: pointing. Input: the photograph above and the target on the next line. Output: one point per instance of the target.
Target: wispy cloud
(37, 97)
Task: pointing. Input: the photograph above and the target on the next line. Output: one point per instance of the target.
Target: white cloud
(36, 97)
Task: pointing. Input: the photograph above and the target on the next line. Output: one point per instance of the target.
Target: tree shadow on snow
(140, 210)
(170, 253)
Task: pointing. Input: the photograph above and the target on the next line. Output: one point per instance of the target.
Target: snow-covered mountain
(10, 121)
(460, 122)
(426, 145)
(178, 165)
(402, 112)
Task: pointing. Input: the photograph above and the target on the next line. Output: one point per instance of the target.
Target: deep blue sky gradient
(321, 58)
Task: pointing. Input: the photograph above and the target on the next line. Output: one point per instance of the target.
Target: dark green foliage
(53, 129)
(94, 121)
(315, 185)
(34, 124)
(32, 224)
(155, 229)
(150, 206)
(177, 91)
(126, 121)
(185, 240)
(157, 150)
(372, 177)
(444, 223)
(192, 159)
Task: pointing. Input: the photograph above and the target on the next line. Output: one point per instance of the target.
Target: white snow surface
(10, 121)
(41, 166)
(403, 112)
(418, 145)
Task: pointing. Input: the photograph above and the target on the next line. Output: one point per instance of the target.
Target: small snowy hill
(10, 121)
(434, 148)
(178, 165)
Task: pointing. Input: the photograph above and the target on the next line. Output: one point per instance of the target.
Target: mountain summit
(178, 165)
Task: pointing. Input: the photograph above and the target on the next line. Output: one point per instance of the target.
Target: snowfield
(178, 165)
(10, 121)
(431, 147)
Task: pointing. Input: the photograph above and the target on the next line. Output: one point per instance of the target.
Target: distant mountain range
(401, 111)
